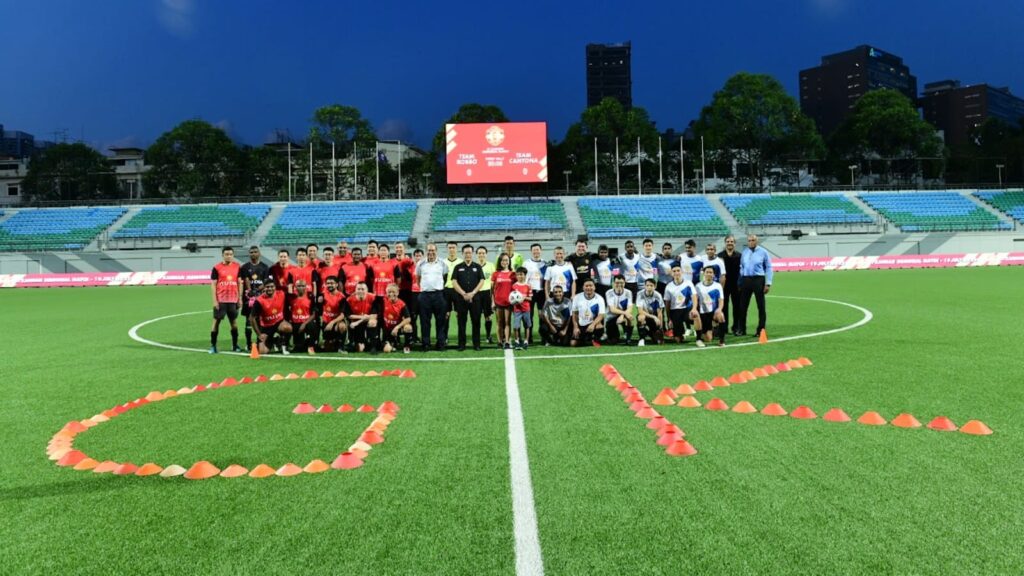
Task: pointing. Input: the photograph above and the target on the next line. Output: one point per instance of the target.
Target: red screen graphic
(497, 152)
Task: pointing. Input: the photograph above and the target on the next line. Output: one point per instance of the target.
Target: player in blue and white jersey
(560, 273)
(691, 262)
(629, 266)
(709, 307)
(620, 312)
(664, 263)
(647, 265)
(650, 311)
(602, 270)
(712, 261)
(535, 270)
(588, 311)
(679, 299)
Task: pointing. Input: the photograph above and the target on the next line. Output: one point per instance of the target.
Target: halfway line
(524, 516)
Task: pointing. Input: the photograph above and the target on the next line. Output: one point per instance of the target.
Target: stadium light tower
(566, 172)
(1000, 168)
(852, 167)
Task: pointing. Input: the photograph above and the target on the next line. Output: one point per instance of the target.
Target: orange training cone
(201, 471)
(664, 398)
(149, 469)
(234, 471)
(760, 373)
(836, 415)
(407, 374)
(680, 448)
(770, 369)
(669, 439)
(325, 409)
(289, 469)
(783, 367)
(703, 386)
(976, 427)
(105, 467)
(388, 406)
(371, 437)
(794, 364)
(255, 352)
(316, 466)
(639, 405)
(71, 458)
(172, 471)
(327, 374)
(719, 382)
(670, 428)
(744, 407)
(905, 420)
(657, 423)
(773, 409)
(689, 402)
(684, 389)
(125, 469)
(646, 413)
(804, 361)
(346, 408)
(310, 374)
(261, 471)
(716, 404)
(872, 419)
(366, 408)
(803, 413)
(303, 408)
(737, 379)
(762, 338)
(748, 375)
(942, 424)
(85, 464)
(346, 461)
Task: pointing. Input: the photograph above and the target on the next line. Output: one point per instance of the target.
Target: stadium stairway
(734, 226)
(969, 194)
(573, 220)
(264, 228)
(100, 242)
(421, 225)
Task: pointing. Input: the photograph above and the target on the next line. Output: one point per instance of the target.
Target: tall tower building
(609, 73)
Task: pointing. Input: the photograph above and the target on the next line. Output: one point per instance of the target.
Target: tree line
(752, 135)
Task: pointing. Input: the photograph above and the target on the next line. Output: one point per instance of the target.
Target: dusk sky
(122, 73)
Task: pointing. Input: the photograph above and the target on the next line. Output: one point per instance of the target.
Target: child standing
(522, 324)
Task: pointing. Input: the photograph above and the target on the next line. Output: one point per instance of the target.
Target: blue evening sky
(123, 72)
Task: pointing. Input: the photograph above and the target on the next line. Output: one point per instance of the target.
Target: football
(516, 297)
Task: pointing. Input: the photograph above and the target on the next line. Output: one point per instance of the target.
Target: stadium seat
(1009, 202)
(194, 221)
(335, 221)
(474, 215)
(933, 211)
(794, 209)
(650, 216)
(55, 228)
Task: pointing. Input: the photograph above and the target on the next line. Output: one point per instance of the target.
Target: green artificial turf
(763, 495)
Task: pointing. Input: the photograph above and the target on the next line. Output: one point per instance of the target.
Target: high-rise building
(957, 110)
(16, 144)
(609, 73)
(829, 91)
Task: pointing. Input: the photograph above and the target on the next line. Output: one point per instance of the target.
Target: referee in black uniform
(467, 280)
(731, 257)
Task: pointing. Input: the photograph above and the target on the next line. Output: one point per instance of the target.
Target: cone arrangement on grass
(668, 434)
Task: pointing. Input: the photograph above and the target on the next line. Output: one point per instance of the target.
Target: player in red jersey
(302, 270)
(268, 318)
(522, 321)
(302, 317)
(312, 251)
(354, 273)
(385, 271)
(371, 253)
(405, 280)
(329, 266)
(226, 289)
(501, 287)
(280, 270)
(343, 256)
(362, 310)
(396, 321)
(332, 316)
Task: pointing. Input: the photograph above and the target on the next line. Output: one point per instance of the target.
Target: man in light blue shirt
(756, 281)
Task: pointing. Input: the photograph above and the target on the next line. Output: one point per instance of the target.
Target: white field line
(524, 517)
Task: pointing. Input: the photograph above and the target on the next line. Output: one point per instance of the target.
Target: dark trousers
(412, 302)
(468, 310)
(433, 305)
(732, 294)
(751, 286)
(536, 309)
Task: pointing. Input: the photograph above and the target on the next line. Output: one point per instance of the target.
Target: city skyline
(123, 77)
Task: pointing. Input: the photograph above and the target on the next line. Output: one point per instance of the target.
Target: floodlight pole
(703, 171)
(597, 189)
(334, 179)
(289, 170)
(682, 170)
(639, 172)
(661, 174)
(310, 170)
(1000, 168)
(355, 169)
(618, 190)
(376, 159)
(399, 169)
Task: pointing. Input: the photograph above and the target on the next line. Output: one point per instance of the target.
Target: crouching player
(709, 303)
(305, 329)
(332, 303)
(555, 327)
(362, 310)
(679, 300)
(397, 322)
(588, 312)
(650, 307)
(620, 312)
(268, 319)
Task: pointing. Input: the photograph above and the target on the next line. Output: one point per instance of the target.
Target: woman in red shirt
(501, 287)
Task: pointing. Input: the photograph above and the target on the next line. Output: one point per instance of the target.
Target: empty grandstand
(329, 223)
(223, 222)
(1010, 202)
(650, 216)
(821, 212)
(55, 228)
(489, 215)
(933, 212)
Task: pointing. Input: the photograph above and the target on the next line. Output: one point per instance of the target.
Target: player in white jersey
(691, 262)
(712, 261)
(648, 264)
(560, 273)
(602, 270)
(664, 263)
(650, 310)
(620, 312)
(588, 311)
(709, 306)
(679, 295)
(629, 266)
(535, 269)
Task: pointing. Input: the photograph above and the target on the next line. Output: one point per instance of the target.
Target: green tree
(341, 125)
(193, 160)
(753, 121)
(885, 126)
(266, 170)
(606, 122)
(69, 172)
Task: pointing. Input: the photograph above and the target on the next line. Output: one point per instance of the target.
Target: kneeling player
(709, 303)
(679, 300)
(620, 312)
(588, 312)
(333, 321)
(268, 318)
(305, 330)
(650, 307)
(555, 327)
(362, 310)
(397, 322)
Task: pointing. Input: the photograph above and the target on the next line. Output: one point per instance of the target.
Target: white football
(516, 297)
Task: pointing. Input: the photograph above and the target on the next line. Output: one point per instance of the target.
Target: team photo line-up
(350, 302)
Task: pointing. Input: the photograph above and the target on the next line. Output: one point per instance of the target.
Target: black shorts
(270, 331)
(229, 309)
(661, 287)
(587, 338)
(359, 334)
(679, 319)
(486, 306)
(707, 322)
(386, 336)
